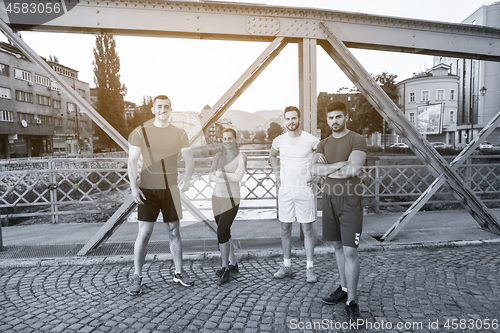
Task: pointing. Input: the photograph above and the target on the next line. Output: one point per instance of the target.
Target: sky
(194, 73)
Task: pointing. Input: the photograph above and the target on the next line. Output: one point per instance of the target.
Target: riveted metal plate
(301, 28)
(264, 26)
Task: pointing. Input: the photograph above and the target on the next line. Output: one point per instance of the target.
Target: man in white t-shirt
(296, 196)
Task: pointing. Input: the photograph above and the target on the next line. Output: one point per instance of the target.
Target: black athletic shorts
(342, 219)
(166, 201)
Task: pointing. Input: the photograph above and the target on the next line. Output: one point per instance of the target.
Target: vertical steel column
(307, 85)
(308, 96)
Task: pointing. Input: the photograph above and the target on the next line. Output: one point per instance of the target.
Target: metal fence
(62, 186)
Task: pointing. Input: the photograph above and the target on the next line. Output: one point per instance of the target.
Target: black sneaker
(352, 311)
(232, 268)
(224, 277)
(183, 278)
(337, 296)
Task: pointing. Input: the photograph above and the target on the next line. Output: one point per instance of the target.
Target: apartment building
(430, 102)
(36, 119)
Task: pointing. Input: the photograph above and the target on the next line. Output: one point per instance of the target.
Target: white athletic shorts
(296, 204)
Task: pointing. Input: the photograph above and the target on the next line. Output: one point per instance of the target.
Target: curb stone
(325, 249)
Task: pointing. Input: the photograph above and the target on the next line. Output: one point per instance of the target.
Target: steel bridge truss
(334, 31)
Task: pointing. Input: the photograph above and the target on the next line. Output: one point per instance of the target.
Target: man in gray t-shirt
(340, 158)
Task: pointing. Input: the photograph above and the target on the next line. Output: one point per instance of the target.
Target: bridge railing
(54, 187)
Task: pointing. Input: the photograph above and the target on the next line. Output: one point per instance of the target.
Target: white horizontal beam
(212, 20)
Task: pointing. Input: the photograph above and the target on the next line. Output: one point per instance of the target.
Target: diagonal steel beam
(116, 220)
(438, 182)
(241, 85)
(64, 86)
(217, 111)
(391, 113)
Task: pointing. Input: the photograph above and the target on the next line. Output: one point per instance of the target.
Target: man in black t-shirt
(340, 158)
(154, 185)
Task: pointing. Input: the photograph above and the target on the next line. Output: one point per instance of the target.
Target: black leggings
(224, 213)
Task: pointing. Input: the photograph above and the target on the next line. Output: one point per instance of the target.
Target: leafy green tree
(110, 91)
(273, 131)
(365, 119)
(260, 135)
(246, 134)
(142, 115)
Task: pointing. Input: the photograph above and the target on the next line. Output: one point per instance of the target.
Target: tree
(143, 113)
(110, 91)
(260, 135)
(246, 134)
(365, 119)
(273, 131)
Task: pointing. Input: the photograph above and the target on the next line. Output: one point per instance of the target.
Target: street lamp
(475, 100)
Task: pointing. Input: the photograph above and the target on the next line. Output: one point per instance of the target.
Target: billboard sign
(430, 119)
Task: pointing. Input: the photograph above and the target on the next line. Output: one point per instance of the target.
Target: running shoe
(224, 277)
(311, 277)
(337, 296)
(135, 285)
(232, 268)
(352, 310)
(183, 278)
(284, 271)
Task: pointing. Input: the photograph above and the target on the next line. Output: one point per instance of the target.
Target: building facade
(36, 119)
(429, 100)
(479, 84)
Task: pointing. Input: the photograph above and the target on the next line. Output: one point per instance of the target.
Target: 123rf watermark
(367, 324)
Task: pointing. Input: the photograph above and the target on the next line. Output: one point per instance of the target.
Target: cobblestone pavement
(416, 289)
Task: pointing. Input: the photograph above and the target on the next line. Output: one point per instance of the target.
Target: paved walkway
(407, 289)
(442, 270)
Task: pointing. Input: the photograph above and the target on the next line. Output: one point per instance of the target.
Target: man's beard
(339, 128)
(290, 128)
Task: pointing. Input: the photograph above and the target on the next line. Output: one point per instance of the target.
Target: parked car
(399, 145)
(440, 145)
(485, 145)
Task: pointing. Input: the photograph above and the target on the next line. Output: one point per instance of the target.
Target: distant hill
(270, 114)
(243, 120)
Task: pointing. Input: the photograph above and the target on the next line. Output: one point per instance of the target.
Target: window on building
(56, 104)
(6, 116)
(452, 94)
(84, 124)
(440, 94)
(452, 116)
(4, 69)
(42, 80)
(412, 117)
(71, 107)
(81, 92)
(43, 100)
(5, 93)
(23, 96)
(45, 120)
(22, 75)
(58, 122)
(29, 117)
(412, 97)
(54, 86)
(71, 123)
(425, 95)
